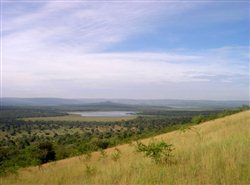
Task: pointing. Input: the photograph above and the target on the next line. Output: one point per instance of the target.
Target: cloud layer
(68, 50)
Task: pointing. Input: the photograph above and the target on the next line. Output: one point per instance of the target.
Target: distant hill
(122, 103)
(43, 101)
(176, 103)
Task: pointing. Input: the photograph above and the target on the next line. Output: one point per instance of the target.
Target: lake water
(104, 113)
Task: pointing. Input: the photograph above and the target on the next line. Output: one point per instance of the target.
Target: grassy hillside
(215, 152)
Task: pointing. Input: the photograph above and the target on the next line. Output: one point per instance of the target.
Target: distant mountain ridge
(171, 103)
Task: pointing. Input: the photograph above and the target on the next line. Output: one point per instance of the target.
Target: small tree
(160, 151)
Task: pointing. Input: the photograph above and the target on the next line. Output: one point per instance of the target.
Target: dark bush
(46, 152)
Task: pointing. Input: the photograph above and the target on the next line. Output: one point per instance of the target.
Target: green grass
(215, 152)
(72, 117)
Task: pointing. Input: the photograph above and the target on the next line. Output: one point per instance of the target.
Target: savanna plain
(213, 152)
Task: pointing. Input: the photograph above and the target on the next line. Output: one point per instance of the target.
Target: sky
(126, 49)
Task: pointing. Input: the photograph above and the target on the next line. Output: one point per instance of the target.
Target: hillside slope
(215, 152)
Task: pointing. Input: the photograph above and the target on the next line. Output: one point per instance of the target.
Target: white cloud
(109, 69)
(87, 26)
(58, 51)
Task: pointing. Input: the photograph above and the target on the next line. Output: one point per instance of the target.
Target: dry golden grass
(215, 152)
(73, 117)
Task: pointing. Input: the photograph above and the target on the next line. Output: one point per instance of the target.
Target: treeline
(202, 118)
(179, 113)
(13, 112)
(26, 143)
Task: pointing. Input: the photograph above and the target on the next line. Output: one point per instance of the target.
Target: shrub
(90, 170)
(87, 156)
(116, 155)
(103, 154)
(185, 128)
(159, 151)
(198, 119)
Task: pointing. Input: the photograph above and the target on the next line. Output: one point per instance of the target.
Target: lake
(104, 113)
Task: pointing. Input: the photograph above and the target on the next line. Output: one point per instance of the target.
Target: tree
(46, 152)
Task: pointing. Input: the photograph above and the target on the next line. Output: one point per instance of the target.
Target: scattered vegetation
(29, 143)
(220, 158)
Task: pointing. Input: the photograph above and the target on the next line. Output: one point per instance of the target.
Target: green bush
(159, 151)
(198, 119)
(116, 155)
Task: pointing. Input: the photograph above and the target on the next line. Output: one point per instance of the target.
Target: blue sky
(132, 49)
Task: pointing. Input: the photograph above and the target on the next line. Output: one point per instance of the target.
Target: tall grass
(215, 152)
